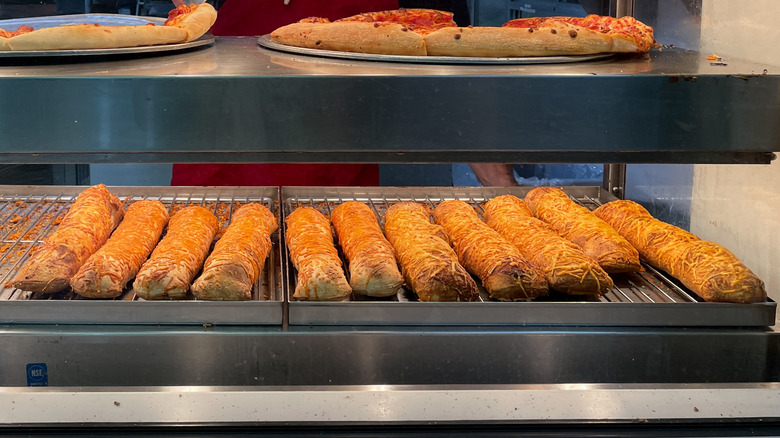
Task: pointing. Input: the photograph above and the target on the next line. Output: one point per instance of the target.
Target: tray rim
(142, 312)
(606, 314)
(265, 41)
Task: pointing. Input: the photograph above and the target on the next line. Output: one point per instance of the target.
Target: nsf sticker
(37, 374)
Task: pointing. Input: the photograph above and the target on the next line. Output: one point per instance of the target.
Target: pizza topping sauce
(592, 33)
(11, 33)
(422, 21)
(175, 14)
(626, 27)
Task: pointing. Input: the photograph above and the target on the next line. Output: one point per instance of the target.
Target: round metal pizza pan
(103, 20)
(265, 41)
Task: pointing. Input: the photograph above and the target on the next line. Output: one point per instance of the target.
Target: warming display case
(643, 357)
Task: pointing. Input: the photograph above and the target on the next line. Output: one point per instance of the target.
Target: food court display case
(645, 358)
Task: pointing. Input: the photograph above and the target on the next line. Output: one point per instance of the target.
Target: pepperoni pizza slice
(430, 32)
(394, 32)
(630, 34)
(185, 23)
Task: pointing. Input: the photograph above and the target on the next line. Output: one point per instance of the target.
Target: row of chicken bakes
(522, 250)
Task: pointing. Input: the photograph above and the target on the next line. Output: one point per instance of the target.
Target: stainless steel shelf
(647, 299)
(237, 102)
(29, 214)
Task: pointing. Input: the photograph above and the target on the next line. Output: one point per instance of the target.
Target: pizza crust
(352, 36)
(4, 44)
(88, 36)
(499, 42)
(197, 22)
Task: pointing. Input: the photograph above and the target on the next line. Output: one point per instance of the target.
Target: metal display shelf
(645, 299)
(29, 214)
(238, 102)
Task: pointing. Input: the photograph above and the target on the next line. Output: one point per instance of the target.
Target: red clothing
(259, 17)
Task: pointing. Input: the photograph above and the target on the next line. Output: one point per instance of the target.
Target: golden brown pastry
(563, 263)
(238, 257)
(429, 264)
(576, 223)
(706, 268)
(106, 273)
(504, 272)
(179, 255)
(84, 229)
(373, 270)
(312, 252)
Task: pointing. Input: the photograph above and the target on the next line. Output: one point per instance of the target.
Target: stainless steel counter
(235, 101)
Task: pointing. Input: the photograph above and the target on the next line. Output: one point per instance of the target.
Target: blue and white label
(37, 374)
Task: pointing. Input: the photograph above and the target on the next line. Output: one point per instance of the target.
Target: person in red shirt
(259, 17)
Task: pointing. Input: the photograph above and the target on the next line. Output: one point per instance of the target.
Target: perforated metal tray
(29, 214)
(647, 298)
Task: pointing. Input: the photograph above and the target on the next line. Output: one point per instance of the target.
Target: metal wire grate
(26, 220)
(648, 286)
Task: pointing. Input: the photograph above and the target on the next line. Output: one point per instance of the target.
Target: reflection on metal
(149, 355)
(615, 179)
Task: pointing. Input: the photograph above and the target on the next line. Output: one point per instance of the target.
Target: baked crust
(706, 268)
(422, 21)
(90, 36)
(107, 271)
(497, 42)
(504, 272)
(84, 229)
(430, 266)
(195, 20)
(576, 223)
(567, 268)
(373, 269)
(179, 255)
(352, 36)
(628, 34)
(238, 256)
(312, 252)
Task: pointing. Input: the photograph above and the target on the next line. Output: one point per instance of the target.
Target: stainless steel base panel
(240, 356)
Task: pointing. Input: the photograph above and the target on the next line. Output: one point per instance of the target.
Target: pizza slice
(6, 34)
(628, 33)
(422, 21)
(196, 20)
(545, 36)
(393, 32)
(185, 23)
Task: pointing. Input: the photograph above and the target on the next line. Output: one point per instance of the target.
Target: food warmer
(620, 365)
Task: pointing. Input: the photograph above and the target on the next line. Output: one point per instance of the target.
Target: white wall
(739, 206)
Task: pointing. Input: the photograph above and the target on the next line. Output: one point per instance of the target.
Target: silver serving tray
(266, 307)
(648, 299)
(103, 20)
(265, 41)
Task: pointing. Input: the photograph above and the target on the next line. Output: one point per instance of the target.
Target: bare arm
(494, 174)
